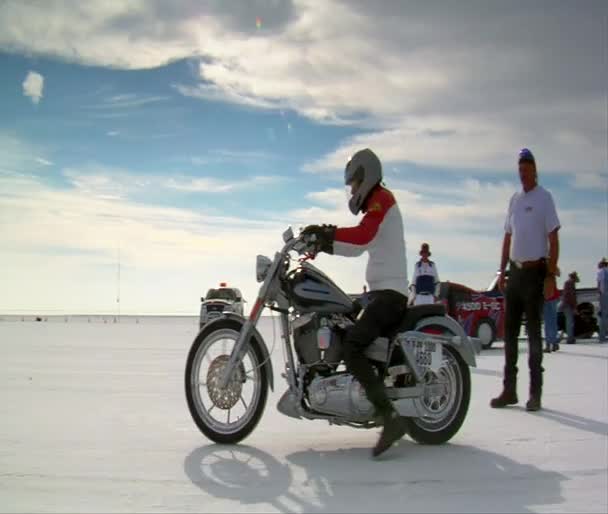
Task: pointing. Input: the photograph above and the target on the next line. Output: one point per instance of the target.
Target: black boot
(509, 391)
(533, 404)
(536, 388)
(507, 397)
(395, 427)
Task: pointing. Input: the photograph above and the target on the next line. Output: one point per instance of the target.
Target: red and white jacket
(381, 234)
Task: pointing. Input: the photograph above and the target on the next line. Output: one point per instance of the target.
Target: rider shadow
(412, 478)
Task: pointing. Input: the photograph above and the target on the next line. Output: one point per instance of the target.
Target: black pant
(385, 309)
(524, 294)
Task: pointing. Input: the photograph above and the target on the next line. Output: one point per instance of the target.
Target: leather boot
(507, 397)
(395, 427)
(536, 389)
(533, 404)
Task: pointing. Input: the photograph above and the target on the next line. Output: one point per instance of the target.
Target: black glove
(324, 237)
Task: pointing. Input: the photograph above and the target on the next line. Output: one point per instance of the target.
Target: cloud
(63, 244)
(591, 181)
(111, 183)
(223, 155)
(211, 185)
(20, 156)
(42, 161)
(33, 86)
(127, 101)
(428, 83)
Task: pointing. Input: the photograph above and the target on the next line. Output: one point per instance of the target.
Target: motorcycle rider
(381, 234)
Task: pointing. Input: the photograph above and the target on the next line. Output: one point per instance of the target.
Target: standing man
(602, 287)
(426, 278)
(531, 247)
(569, 305)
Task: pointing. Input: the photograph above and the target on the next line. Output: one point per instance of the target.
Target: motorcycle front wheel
(445, 402)
(228, 415)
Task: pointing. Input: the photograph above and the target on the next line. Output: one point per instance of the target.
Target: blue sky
(186, 138)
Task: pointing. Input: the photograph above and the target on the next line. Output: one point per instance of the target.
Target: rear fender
(466, 346)
(260, 340)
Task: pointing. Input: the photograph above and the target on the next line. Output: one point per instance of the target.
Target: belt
(529, 264)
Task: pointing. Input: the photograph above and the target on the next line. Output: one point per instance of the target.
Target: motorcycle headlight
(262, 265)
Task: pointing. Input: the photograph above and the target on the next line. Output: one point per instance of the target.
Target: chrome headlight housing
(262, 265)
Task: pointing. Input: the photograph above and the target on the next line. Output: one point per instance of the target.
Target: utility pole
(118, 285)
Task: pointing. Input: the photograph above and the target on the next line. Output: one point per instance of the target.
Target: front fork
(238, 352)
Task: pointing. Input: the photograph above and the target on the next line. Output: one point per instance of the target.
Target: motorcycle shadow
(412, 478)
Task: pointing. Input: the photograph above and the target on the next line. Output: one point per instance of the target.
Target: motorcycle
(424, 360)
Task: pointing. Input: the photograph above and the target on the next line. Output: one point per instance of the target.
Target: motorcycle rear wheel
(438, 428)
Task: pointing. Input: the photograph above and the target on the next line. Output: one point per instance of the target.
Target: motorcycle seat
(416, 313)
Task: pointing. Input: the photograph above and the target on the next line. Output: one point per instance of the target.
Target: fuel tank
(311, 290)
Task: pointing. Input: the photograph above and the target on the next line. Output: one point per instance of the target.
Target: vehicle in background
(480, 313)
(219, 301)
(587, 314)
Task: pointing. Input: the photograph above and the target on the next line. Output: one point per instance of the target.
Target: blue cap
(525, 155)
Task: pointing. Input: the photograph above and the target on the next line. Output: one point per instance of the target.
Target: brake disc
(224, 398)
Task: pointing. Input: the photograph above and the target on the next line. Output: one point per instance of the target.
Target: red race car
(481, 313)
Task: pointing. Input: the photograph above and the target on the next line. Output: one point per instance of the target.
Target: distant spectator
(602, 287)
(550, 319)
(569, 305)
(426, 279)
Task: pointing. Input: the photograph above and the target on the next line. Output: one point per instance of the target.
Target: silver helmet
(365, 168)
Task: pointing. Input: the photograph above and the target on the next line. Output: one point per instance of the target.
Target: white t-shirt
(601, 280)
(530, 219)
(425, 268)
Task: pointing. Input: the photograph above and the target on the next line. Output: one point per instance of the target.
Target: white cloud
(223, 155)
(33, 86)
(127, 101)
(42, 161)
(211, 185)
(20, 156)
(64, 243)
(591, 181)
(446, 86)
(108, 182)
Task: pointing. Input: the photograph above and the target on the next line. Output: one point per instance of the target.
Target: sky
(179, 139)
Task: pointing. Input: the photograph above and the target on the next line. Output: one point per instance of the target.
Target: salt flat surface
(93, 419)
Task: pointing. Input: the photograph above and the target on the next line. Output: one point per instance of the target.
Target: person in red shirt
(550, 319)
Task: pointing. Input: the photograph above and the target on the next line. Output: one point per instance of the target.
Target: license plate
(428, 354)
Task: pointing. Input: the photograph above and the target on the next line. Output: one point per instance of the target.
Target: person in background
(425, 279)
(602, 287)
(568, 305)
(531, 248)
(550, 319)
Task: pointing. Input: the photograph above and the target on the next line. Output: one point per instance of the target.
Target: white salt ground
(93, 419)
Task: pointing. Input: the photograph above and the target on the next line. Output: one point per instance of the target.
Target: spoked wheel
(225, 415)
(445, 401)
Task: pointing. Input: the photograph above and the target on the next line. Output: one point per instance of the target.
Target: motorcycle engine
(340, 395)
(317, 340)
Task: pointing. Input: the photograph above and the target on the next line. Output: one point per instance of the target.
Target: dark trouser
(385, 309)
(524, 295)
